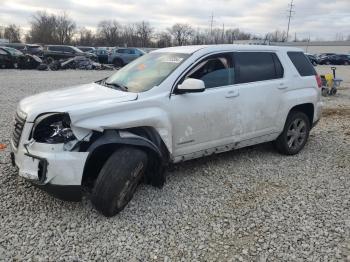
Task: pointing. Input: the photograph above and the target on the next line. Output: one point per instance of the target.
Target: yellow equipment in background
(330, 83)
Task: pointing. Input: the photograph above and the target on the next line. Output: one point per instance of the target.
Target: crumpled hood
(73, 98)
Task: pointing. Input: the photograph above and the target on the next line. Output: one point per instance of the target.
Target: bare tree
(43, 27)
(163, 39)
(65, 29)
(129, 35)
(144, 32)
(2, 28)
(181, 33)
(276, 36)
(12, 33)
(86, 37)
(109, 32)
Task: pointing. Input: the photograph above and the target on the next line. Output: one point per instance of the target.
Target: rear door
(260, 83)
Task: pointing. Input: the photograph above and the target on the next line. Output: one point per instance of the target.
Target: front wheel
(118, 180)
(295, 133)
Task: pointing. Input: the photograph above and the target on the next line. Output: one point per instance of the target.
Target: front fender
(115, 138)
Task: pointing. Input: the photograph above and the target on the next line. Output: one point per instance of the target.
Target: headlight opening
(54, 128)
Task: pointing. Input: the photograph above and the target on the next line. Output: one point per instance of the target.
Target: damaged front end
(46, 153)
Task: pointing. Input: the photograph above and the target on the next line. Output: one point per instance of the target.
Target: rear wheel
(346, 63)
(295, 133)
(118, 180)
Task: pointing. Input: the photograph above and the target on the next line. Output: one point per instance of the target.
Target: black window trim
(205, 56)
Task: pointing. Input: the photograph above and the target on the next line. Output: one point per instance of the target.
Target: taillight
(319, 80)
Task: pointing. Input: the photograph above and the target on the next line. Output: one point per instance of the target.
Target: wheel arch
(306, 108)
(145, 138)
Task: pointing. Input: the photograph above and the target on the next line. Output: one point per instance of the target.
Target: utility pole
(211, 27)
(211, 23)
(223, 33)
(291, 13)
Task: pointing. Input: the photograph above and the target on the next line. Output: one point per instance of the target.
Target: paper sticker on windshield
(175, 60)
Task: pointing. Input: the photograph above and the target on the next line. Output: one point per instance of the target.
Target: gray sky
(322, 19)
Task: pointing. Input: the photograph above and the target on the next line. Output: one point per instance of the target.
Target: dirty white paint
(191, 125)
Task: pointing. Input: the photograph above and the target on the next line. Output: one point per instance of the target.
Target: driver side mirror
(191, 85)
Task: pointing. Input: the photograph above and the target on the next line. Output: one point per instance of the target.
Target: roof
(211, 48)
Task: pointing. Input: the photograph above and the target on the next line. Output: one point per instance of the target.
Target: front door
(205, 120)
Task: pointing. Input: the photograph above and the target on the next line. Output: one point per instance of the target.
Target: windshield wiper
(116, 85)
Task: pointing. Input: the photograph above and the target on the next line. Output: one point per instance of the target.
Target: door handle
(282, 86)
(232, 93)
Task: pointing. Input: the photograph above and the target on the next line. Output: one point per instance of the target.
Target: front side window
(214, 71)
(257, 66)
(147, 71)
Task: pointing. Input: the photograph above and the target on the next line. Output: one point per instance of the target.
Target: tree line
(48, 28)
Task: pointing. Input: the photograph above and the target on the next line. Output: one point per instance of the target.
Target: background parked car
(9, 57)
(56, 52)
(18, 46)
(322, 55)
(33, 49)
(87, 49)
(312, 59)
(335, 60)
(102, 55)
(122, 56)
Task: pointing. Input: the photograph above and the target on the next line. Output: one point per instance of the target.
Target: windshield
(147, 71)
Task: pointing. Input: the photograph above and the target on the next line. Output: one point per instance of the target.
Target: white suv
(168, 106)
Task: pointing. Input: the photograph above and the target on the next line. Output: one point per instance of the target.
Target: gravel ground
(247, 205)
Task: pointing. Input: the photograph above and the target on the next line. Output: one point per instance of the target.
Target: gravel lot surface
(247, 205)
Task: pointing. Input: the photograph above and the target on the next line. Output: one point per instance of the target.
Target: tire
(346, 63)
(314, 63)
(118, 180)
(328, 62)
(333, 91)
(324, 91)
(295, 134)
(118, 62)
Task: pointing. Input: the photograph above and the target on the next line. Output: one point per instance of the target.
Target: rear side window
(301, 63)
(257, 66)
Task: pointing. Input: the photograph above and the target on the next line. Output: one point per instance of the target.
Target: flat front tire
(295, 133)
(118, 180)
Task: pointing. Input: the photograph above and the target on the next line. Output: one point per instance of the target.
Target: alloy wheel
(296, 134)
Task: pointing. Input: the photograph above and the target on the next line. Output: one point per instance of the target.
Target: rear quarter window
(302, 63)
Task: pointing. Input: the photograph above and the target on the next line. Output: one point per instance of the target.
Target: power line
(291, 13)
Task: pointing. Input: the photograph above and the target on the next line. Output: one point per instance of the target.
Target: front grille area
(18, 128)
